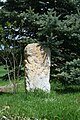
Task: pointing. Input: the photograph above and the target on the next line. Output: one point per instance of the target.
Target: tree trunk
(14, 74)
(19, 68)
(8, 71)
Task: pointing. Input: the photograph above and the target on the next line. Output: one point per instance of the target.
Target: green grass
(61, 104)
(3, 82)
(2, 71)
(40, 106)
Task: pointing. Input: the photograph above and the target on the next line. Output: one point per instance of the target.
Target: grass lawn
(2, 71)
(40, 106)
(60, 104)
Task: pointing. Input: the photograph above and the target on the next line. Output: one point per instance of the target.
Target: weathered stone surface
(37, 67)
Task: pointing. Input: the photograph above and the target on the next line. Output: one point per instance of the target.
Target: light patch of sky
(1, 47)
(3, 0)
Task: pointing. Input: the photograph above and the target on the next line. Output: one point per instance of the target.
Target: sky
(3, 0)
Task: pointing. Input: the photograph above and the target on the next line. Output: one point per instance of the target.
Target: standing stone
(37, 67)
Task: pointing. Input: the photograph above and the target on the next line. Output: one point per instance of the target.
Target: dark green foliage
(41, 6)
(69, 73)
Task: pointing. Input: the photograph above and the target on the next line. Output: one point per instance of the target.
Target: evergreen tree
(54, 23)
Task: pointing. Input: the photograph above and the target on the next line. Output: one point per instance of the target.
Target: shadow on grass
(6, 93)
(67, 90)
